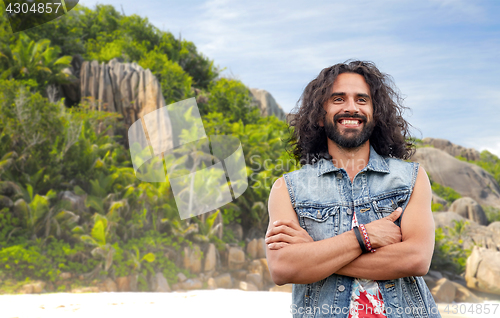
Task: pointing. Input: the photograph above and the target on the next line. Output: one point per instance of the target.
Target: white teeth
(350, 122)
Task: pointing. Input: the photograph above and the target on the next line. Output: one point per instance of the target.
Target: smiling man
(353, 228)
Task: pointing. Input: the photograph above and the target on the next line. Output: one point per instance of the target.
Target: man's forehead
(350, 83)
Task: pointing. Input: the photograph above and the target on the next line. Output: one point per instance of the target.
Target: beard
(351, 138)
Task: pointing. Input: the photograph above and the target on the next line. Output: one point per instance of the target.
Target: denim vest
(324, 199)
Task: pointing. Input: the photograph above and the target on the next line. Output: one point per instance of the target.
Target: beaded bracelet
(359, 237)
(366, 239)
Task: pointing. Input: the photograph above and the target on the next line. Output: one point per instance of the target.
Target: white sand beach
(218, 303)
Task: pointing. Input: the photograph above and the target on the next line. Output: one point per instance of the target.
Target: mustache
(337, 117)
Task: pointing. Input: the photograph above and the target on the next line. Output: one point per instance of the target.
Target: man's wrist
(360, 239)
(366, 239)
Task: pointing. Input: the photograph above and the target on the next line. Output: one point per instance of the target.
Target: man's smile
(350, 122)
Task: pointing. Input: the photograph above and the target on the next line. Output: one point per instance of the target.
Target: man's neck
(352, 160)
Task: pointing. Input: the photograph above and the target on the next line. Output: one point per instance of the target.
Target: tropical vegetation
(69, 197)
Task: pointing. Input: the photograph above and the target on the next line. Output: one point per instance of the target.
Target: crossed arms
(294, 257)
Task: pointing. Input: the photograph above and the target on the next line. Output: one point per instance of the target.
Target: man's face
(349, 111)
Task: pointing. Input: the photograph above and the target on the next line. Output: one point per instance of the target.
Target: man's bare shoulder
(279, 205)
(418, 211)
(422, 184)
(279, 193)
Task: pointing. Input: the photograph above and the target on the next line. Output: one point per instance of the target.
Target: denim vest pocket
(414, 298)
(321, 222)
(386, 203)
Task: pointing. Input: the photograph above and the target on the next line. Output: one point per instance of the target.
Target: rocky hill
(467, 179)
(267, 104)
(132, 91)
(465, 223)
(451, 148)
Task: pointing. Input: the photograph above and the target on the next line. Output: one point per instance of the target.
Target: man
(353, 195)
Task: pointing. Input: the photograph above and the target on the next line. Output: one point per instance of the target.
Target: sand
(218, 303)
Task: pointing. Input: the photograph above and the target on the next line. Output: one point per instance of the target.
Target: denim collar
(375, 163)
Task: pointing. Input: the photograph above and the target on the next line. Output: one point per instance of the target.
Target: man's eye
(338, 99)
(362, 100)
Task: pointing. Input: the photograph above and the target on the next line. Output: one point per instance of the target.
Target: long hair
(390, 137)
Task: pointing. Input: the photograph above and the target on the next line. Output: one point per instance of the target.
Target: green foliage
(228, 236)
(20, 262)
(125, 226)
(417, 142)
(69, 258)
(263, 143)
(175, 82)
(231, 214)
(492, 214)
(146, 256)
(37, 210)
(50, 144)
(231, 98)
(488, 162)
(123, 48)
(449, 253)
(29, 260)
(26, 119)
(445, 253)
(458, 230)
(207, 228)
(10, 286)
(8, 222)
(446, 193)
(36, 63)
(103, 33)
(5, 29)
(67, 33)
(435, 207)
(137, 259)
(197, 65)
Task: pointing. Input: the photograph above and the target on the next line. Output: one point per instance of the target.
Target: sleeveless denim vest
(324, 199)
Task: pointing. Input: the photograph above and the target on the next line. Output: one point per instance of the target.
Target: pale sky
(442, 54)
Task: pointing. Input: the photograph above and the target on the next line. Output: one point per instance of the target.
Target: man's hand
(284, 232)
(384, 232)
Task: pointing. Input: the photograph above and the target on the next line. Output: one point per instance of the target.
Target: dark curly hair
(390, 137)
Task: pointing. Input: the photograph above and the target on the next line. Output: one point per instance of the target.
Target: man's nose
(351, 106)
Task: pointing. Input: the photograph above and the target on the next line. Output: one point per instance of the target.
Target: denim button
(394, 205)
(318, 215)
(349, 212)
(341, 288)
(339, 175)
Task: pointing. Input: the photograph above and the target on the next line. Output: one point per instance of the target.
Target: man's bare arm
(412, 256)
(289, 256)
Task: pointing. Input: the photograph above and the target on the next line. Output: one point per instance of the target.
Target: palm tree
(39, 217)
(99, 238)
(29, 60)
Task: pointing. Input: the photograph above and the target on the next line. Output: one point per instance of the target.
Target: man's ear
(320, 123)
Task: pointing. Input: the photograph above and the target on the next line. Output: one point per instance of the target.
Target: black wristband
(360, 239)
